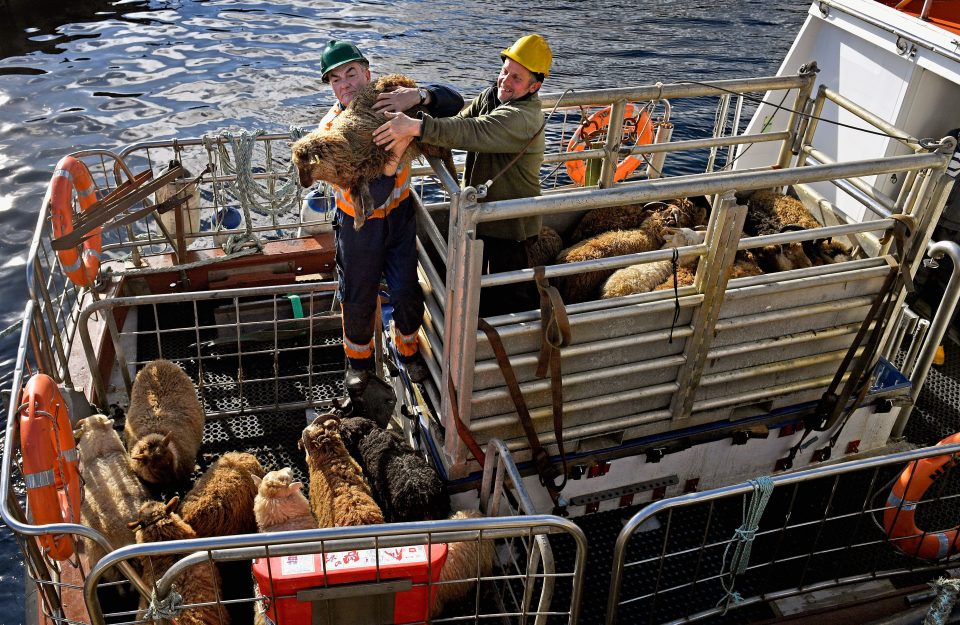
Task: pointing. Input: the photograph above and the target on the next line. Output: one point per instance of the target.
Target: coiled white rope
(252, 196)
(947, 591)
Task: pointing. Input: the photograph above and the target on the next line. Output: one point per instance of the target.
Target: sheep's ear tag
(316, 159)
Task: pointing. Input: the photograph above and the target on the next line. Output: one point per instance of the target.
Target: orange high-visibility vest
(401, 181)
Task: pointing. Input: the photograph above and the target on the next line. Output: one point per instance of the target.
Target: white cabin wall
(857, 61)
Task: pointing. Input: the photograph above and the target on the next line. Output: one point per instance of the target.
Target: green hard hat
(338, 53)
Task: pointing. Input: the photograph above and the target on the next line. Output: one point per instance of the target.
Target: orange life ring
(636, 126)
(907, 491)
(50, 465)
(80, 263)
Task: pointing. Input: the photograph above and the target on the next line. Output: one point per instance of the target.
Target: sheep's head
(95, 436)
(321, 437)
(154, 458)
(679, 237)
(277, 484)
(159, 521)
(416, 492)
(315, 158)
(354, 429)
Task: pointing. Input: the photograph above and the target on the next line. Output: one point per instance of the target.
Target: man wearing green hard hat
(502, 131)
(386, 244)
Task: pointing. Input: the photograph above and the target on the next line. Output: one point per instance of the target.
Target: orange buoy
(50, 465)
(636, 127)
(907, 491)
(80, 263)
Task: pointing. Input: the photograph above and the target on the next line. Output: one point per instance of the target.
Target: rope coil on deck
(742, 540)
(947, 591)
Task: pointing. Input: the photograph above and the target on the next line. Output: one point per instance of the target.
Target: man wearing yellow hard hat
(503, 121)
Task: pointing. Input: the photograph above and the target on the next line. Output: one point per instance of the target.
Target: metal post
(938, 328)
(612, 146)
(718, 128)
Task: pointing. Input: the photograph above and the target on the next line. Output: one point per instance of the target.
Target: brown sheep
(600, 220)
(828, 252)
(114, 493)
(346, 156)
(465, 561)
(164, 425)
(743, 265)
(280, 506)
(221, 502)
(157, 522)
(685, 277)
(769, 212)
(645, 277)
(545, 248)
(584, 286)
(339, 496)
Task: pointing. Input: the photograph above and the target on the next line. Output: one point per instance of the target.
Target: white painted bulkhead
(915, 86)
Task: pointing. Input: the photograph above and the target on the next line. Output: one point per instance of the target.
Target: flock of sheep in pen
(359, 474)
(632, 229)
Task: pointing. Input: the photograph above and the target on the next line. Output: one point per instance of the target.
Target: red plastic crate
(292, 574)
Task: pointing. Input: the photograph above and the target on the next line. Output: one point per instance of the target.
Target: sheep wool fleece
(384, 246)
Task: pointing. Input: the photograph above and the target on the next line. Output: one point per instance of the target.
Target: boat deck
(846, 542)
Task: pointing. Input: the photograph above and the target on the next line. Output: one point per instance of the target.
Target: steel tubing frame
(250, 546)
(743, 489)
(938, 328)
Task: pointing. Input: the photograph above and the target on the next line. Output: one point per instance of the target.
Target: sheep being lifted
(345, 154)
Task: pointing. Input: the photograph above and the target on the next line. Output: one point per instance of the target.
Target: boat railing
(702, 554)
(257, 328)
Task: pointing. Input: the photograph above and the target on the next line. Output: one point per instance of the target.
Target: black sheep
(403, 483)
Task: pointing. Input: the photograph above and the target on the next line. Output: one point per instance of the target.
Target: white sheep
(645, 277)
(113, 493)
(280, 505)
(466, 561)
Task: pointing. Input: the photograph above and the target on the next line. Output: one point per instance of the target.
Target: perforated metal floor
(250, 378)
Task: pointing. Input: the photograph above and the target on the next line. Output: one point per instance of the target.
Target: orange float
(637, 128)
(80, 263)
(50, 465)
(907, 491)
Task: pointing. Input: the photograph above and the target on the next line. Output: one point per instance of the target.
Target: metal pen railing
(796, 548)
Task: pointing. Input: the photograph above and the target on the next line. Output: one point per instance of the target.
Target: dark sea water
(93, 73)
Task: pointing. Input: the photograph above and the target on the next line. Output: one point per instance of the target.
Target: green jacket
(493, 134)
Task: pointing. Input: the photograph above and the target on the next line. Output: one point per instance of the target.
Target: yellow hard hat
(531, 51)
